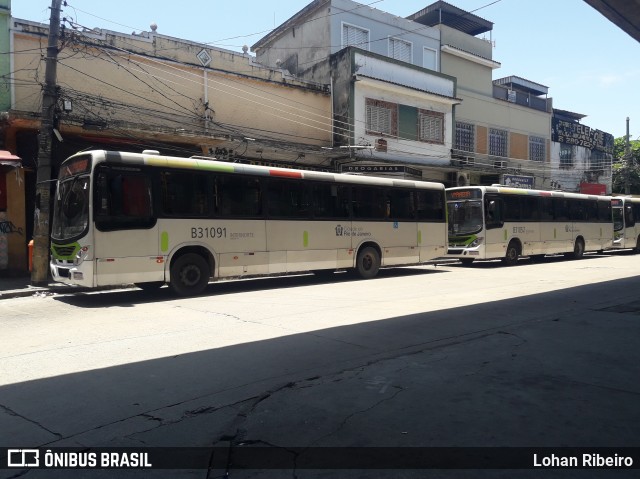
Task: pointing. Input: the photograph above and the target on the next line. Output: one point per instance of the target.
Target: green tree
(623, 168)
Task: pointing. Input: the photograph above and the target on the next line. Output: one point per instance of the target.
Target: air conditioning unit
(460, 178)
(500, 165)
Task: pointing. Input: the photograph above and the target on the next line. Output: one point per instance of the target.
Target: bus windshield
(71, 208)
(465, 217)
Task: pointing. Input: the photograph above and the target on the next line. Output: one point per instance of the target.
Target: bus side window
(239, 197)
(122, 200)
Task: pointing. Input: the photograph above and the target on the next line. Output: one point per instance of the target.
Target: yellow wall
(164, 75)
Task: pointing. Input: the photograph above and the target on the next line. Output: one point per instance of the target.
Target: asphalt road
(536, 355)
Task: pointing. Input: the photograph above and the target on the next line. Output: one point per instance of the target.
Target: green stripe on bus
(164, 241)
(505, 235)
(419, 236)
(305, 239)
(189, 163)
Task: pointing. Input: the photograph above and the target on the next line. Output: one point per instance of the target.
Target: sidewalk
(12, 286)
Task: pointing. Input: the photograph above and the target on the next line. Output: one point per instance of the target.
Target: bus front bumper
(73, 275)
(453, 252)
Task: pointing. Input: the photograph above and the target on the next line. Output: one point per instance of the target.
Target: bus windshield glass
(71, 208)
(465, 217)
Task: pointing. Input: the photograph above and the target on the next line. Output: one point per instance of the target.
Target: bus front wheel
(368, 262)
(512, 254)
(189, 274)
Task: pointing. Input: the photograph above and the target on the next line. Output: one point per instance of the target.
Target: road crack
(11, 412)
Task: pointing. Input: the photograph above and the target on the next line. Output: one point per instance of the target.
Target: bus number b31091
(212, 232)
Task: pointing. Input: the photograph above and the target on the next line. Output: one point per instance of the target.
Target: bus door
(496, 234)
(560, 234)
(126, 235)
(629, 226)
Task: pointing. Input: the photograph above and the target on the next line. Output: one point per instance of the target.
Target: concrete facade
(512, 113)
(366, 74)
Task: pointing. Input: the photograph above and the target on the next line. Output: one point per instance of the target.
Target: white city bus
(148, 219)
(626, 223)
(490, 222)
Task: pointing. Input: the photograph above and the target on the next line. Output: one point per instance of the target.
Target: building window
(537, 146)
(498, 142)
(355, 36)
(566, 156)
(382, 118)
(465, 137)
(431, 126)
(400, 50)
(430, 58)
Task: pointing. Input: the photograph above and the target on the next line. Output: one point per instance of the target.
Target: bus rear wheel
(578, 249)
(189, 274)
(512, 254)
(368, 262)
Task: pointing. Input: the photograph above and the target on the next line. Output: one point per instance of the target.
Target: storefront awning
(6, 158)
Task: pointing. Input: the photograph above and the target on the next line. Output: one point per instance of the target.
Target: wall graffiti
(8, 227)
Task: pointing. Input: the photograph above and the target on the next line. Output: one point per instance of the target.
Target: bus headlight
(476, 242)
(81, 255)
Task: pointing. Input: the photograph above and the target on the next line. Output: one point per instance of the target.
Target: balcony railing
(522, 98)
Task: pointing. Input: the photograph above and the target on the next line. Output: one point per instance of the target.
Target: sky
(588, 63)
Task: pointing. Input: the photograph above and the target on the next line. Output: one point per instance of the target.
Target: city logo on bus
(571, 229)
(351, 231)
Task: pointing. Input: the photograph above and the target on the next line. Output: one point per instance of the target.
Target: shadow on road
(553, 369)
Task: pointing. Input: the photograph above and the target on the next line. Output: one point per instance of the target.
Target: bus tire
(368, 262)
(636, 250)
(578, 249)
(512, 254)
(189, 274)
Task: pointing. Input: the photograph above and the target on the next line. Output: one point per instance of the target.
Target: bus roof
(523, 191)
(205, 164)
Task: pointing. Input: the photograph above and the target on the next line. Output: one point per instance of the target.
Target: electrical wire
(300, 116)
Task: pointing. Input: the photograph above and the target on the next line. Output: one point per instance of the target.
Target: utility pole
(40, 271)
(627, 163)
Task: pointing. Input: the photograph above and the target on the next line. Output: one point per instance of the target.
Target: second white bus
(488, 222)
(148, 219)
